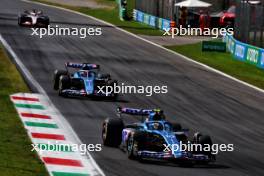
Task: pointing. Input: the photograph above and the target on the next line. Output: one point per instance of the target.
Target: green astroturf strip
(16, 157)
(68, 174)
(37, 124)
(55, 147)
(31, 106)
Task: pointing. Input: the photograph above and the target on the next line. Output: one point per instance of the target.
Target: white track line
(157, 45)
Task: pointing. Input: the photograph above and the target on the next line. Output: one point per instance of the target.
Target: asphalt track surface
(198, 98)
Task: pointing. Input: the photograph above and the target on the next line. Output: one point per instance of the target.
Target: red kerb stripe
(48, 136)
(24, 98)
(39, 116)
(60, 161)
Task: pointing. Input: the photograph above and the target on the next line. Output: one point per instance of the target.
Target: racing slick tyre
(64, 83)
(112, 132)
(176, 127)
(56, 78)
(204, 140)
(114, 83)
(19, 21)
(104, 76)
(46, 23)
(135, 144)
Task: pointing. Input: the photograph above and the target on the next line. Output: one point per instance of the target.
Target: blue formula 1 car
(155, 138)
(85, 81)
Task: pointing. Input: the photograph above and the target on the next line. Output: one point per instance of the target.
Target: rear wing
(39, 12)
(84, 66)
(134, 111)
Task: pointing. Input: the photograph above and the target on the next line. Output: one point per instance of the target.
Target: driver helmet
(156, 126)
(157, 114)
(84, 74)
(34, 11)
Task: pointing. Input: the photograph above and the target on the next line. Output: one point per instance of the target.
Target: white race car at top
(33, 18)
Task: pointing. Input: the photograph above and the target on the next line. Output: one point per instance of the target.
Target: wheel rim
(104, 134)
(130, 145)
(135, 148)
(60, 85)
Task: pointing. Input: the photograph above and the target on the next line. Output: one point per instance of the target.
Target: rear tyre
(112, 132)
(56, 78)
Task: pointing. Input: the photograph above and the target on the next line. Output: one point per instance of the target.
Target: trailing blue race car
(155, 138)
(86, 81)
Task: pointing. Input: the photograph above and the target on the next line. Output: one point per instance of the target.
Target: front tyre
(56, 78)
(19, 21)
(135, 143)
(47, 22)
(114, 83)
(132, 148)
(205, 141)
(64, 83)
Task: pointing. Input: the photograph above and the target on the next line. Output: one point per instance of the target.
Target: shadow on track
(171, 164)
(98, 99)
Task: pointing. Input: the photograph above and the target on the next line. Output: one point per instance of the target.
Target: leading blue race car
(154, 138)
(86, 81)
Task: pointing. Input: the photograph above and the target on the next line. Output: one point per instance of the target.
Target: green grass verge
(111, 15)
(16, 157)
(223, 62)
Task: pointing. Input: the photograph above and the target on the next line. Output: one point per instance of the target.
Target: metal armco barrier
(245, 52)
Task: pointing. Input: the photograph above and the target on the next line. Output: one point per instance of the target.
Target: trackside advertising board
(213, 46)
(252, 55)
(140, 17)
(150, 20)
(261, 63)
(165, 24)
(245, 52)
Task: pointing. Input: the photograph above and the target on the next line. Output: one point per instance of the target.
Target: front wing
(82, 93)
(185, 156)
